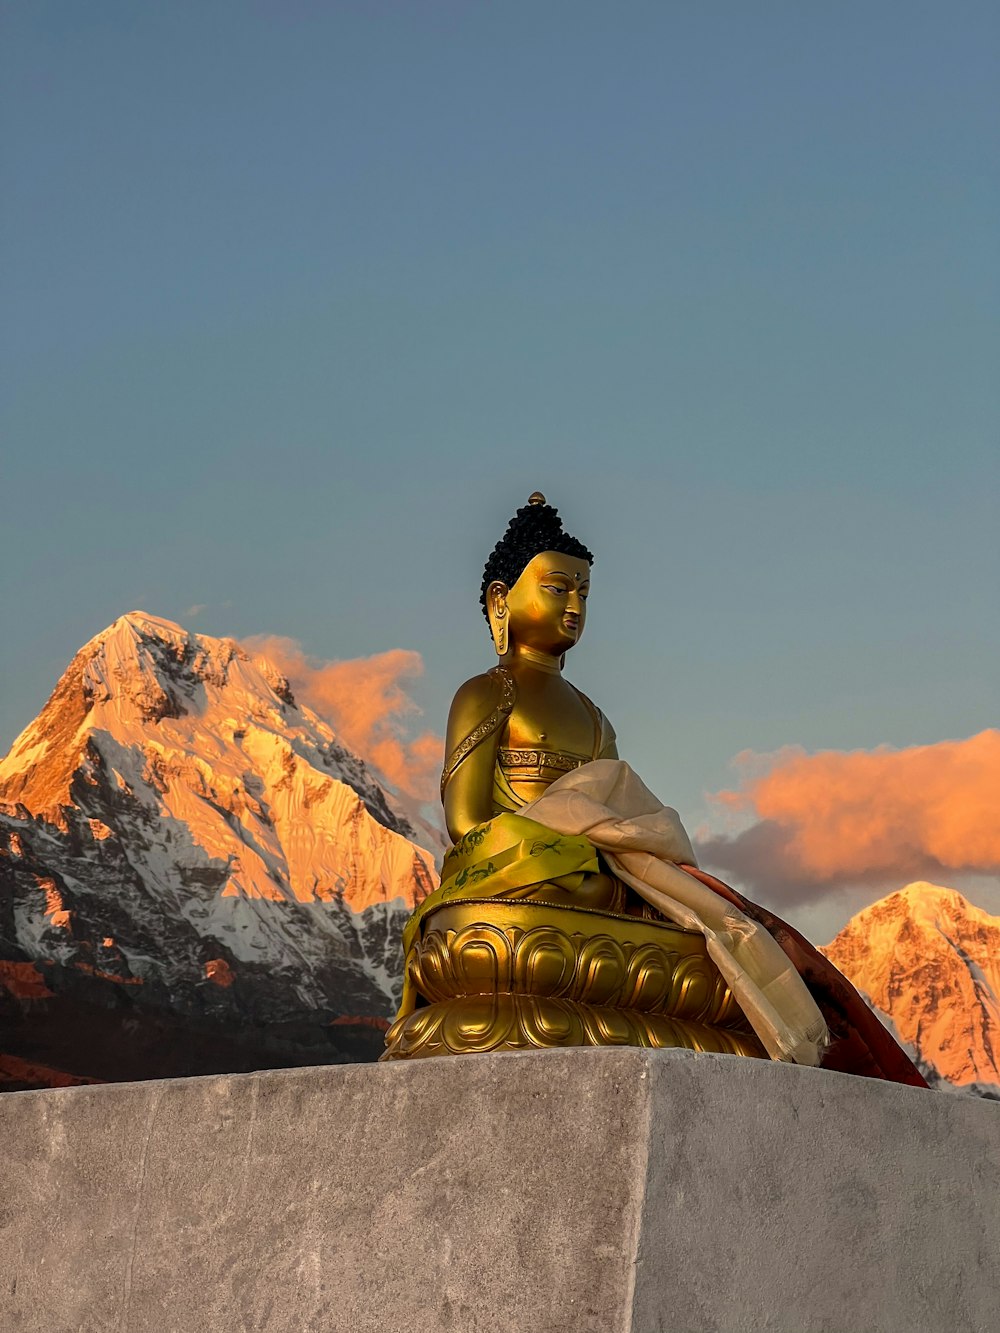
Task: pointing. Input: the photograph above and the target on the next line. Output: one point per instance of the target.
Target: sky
(302, 301)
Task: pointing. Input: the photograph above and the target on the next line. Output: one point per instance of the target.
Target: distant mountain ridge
(181, 840)
(930, 962)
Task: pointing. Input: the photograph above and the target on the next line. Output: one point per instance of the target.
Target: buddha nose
(574, 603)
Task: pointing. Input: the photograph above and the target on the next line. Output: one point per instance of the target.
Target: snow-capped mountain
(930, 961)
(182, 845)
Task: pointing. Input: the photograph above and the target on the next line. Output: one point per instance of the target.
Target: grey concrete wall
(599, 1191)
(795, 1199)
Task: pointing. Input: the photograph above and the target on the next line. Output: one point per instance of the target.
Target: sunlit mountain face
(930, 964)
(195, 875)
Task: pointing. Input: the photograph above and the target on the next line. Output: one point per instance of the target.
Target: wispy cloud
(879, 816)
(195, 610)
(365, 701)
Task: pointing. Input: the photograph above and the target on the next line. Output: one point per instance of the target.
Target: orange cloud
(863, 816)
(365, 703)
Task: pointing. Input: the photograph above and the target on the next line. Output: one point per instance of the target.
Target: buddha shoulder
(479, 700)
(607, 741)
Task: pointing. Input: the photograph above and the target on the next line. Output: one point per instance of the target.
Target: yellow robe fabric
(507, 857)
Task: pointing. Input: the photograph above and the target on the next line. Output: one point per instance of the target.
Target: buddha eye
(549, 587)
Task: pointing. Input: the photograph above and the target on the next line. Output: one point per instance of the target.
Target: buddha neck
(521, 655)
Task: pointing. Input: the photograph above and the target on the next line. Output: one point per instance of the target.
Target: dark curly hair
(536, 527)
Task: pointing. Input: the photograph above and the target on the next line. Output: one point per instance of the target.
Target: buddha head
(536, 582)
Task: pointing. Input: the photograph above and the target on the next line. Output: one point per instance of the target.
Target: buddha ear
(496, 610)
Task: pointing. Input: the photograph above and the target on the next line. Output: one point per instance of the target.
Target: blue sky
(301, 301)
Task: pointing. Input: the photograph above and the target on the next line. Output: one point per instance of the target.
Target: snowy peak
(148, 668)
(927, 905)
(205, 747)
(922, 912)
(930, 961)
(137, 672)
(174, 827)
(143, 669)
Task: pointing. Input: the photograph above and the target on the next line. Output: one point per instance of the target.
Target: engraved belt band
(523, 762)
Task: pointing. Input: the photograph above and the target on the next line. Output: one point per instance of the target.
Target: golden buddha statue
(540, 726)
(571, 910)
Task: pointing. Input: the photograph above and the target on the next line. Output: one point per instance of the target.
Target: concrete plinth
(598, 1191)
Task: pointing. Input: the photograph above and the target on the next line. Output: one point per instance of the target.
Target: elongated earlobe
(496, 610)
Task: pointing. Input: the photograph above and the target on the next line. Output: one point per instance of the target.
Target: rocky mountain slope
(930, 961)
(194, 873)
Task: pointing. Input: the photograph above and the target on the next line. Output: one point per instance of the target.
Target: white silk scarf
(643, 841)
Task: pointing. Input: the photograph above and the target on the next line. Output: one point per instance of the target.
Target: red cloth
(859, 1042)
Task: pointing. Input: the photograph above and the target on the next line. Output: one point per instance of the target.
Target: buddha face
(547, 606)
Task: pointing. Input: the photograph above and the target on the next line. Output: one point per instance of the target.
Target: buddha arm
(468, 791)
(608, 741)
